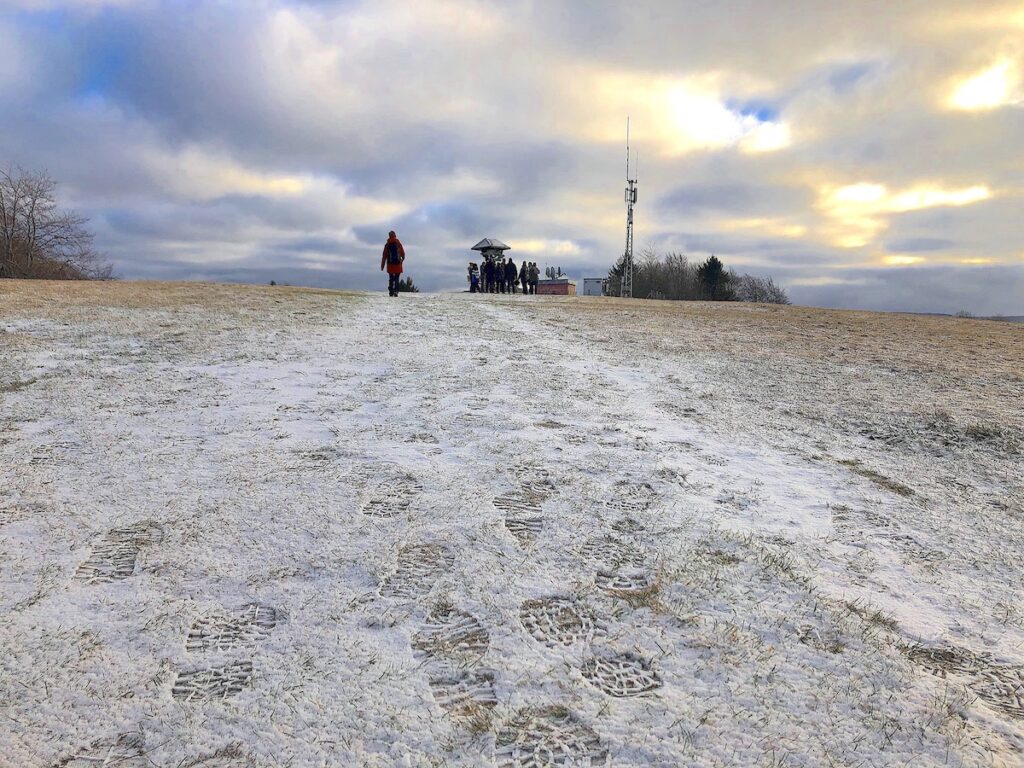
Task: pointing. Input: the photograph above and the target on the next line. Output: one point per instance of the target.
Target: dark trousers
(526, 285)
(393, 284)
(512, 286)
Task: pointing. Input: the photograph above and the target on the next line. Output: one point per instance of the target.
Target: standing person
(488, 270)
(499, 268)
(510, 275)
(392, 258)
(524, 278)
(534, 276)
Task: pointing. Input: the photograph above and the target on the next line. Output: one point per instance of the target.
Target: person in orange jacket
(392, 258)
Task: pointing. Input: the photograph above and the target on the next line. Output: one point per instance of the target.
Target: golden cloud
(777, 227)
(858, 212)
(676, 115)
(994, 87)
(552, 247)
(203, 175)
(900, 260)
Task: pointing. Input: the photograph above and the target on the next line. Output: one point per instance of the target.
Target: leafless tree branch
(39, 239)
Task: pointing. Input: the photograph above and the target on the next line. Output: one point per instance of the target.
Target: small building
(594, 286)
(560, 286)
(491, 248)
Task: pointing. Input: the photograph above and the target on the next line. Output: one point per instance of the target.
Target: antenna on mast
(627, 146)
(626, 283)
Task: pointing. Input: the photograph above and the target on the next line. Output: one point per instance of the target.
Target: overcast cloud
(866, 154)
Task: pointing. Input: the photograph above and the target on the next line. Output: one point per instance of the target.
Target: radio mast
(626, 284)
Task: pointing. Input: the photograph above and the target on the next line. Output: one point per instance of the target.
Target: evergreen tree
(714, 280)
(614, 287)
(405, 286)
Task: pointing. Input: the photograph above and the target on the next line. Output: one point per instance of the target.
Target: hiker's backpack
(393, 256)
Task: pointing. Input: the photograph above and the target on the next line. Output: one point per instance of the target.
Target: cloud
(733, 197)
(946, 289)
(196, 174)
(680, 115)
(996, 86)
(916, 244)
(859, 211)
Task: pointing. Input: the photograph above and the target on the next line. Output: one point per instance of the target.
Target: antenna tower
(626, 289)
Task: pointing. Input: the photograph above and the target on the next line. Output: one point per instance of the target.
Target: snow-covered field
(275, 527)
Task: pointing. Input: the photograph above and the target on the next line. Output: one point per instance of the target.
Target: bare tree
(762, 290)
(672, 276)
(37, 238)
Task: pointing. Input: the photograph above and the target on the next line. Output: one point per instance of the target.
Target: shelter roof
(489, 243)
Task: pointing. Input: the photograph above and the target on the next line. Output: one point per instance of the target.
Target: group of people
(500, 275)
(495, 275)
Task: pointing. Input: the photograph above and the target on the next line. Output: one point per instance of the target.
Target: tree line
(674, 277)
(38, 239)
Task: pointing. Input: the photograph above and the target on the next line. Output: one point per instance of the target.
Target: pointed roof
(489, 243)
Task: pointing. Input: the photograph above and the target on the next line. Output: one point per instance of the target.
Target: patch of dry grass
(70, 301)
(878, 479)
(900, 341)
(15, 386)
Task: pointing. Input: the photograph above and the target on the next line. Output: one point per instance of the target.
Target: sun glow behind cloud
(699, 119)
(547, 247)
(681, 115)
(858, 212)
(900, 260)
(995, 87)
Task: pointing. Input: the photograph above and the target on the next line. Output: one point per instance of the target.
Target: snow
(713, 560)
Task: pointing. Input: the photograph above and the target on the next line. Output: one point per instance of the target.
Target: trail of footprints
(419, 566)
(229, 631)
(114, 556)
(548, 736)
(621, 568)
(556, 621)
(383, 492)
(220, 633)
(522, 507)
(452, 644)
(391, 497)
(213, 683)
(451, 633)
(621, 675)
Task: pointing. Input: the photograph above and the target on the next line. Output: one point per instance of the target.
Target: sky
(864, 154)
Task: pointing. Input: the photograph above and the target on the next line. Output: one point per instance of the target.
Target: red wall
(556, 289)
